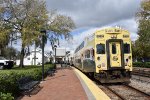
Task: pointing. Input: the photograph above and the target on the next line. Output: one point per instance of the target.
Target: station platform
(68, 83)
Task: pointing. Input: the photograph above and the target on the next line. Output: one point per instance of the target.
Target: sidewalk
(63, 86)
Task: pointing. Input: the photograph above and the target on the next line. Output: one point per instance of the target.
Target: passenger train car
(106, 54)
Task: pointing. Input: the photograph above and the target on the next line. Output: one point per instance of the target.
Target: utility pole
(42, 57)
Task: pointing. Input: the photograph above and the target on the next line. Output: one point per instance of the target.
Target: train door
(115, 54)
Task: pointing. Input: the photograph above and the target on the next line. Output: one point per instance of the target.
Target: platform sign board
(60, 52)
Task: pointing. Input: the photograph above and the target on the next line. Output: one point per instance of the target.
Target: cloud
(128, 24)
(95, 13)
(90, 14)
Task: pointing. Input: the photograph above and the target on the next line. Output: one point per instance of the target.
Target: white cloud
(129, 25)
(95, 13)
(77, 39)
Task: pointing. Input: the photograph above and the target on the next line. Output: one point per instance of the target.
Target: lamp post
(43, 31)
(67, 56)
(55, 46)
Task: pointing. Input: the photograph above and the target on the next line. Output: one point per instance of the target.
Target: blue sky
(90, 15)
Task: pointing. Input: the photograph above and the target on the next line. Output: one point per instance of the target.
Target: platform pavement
(68, 84)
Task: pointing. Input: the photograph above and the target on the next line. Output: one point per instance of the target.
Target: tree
(4, 33)
(143, 17)
(26, 18)
(137, 52)
(59, 25)
(9, 52)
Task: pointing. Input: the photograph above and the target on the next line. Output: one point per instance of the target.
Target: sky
(90, 15)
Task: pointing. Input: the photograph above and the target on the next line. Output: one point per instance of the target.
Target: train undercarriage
(113, 76)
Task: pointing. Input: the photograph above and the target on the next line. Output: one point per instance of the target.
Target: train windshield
(126, 48)
(100, 48)
(114, 50)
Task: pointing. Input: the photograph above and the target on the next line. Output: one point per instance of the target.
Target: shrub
(141, 64)
(6, 96)
(48, 63)
(8, 78)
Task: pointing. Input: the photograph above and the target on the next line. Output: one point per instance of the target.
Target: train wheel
(91, 75)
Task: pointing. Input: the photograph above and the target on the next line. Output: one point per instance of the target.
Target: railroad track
(144, 93)
(127, 92)
(117, 94)
(122, 91)
(141, 74)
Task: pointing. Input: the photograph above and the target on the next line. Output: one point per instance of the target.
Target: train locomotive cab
(113, 57)
(106, 55)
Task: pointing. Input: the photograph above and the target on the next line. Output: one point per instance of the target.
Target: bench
(27, 84)
(51, 71)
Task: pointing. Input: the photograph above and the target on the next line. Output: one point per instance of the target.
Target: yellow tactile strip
(96, 91)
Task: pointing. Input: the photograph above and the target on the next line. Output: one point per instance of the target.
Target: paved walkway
(63, 86)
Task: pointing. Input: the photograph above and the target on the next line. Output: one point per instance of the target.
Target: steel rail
(141, 74)
(133, 88)
(114, 92)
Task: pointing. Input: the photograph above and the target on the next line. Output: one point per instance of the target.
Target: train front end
(113, 55)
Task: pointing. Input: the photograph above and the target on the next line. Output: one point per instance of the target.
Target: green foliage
(141, 64)
(7, 96)
(60, 26)
(143, 17)
(8, 78)
(9, 53)
(27, 18)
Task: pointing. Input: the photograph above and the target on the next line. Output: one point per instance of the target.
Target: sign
(112, 30)
(60, 52)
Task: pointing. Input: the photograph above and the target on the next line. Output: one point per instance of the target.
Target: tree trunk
(35, 55)
(22, 57)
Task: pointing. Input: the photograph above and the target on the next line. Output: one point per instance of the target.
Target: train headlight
(99, 66)
(98, 58)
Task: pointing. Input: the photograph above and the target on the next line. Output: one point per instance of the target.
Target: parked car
(6, 64)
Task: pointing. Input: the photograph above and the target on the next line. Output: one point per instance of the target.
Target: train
(106, 55)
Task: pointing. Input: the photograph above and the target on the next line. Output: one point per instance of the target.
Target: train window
(126, 48)
(87, 54)
(114, 48)
(92, 52)
(100, 48)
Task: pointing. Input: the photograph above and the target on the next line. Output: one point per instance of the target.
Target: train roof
(106, 28)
